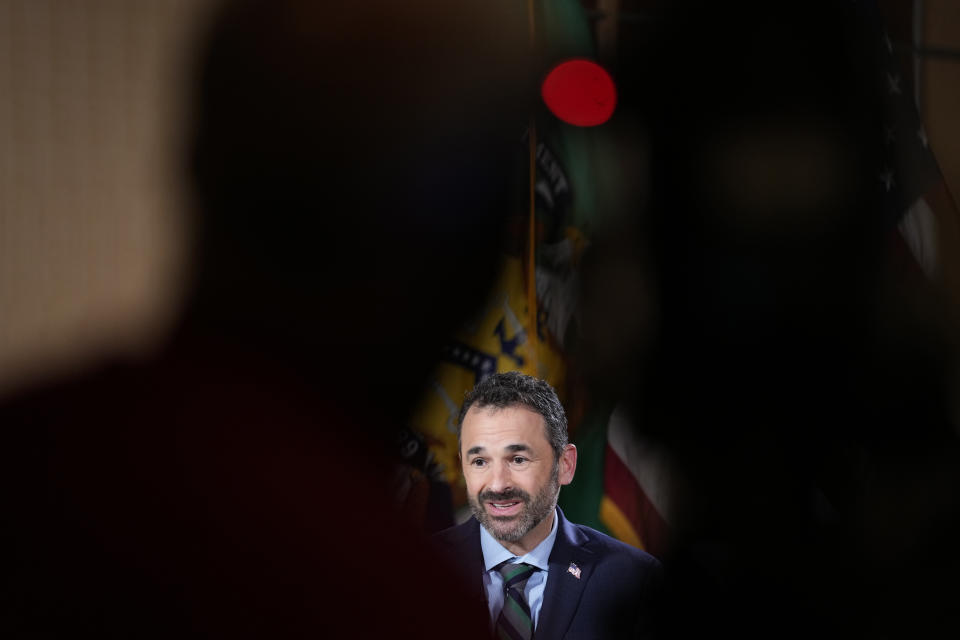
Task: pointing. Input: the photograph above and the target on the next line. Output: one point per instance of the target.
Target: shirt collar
(494, 553)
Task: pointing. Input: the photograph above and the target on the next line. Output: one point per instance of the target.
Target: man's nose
(500, 480)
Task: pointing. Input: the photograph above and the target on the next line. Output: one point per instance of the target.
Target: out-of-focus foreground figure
(795, 369)
(349, 161)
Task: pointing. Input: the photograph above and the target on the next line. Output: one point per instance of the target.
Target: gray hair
(511, 389)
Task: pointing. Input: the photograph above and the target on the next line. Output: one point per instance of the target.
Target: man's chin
(510, 534)
(500, 518)
(503, 528)
(508, 528)
(504, 521)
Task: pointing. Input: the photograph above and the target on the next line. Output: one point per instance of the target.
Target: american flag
(913, 189)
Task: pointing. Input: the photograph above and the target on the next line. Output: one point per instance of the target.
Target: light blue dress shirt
(494, 553)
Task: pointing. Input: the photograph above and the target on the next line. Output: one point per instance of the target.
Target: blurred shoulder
(457, 535)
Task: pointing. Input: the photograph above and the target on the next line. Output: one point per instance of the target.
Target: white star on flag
(886, 177)
(893, 83)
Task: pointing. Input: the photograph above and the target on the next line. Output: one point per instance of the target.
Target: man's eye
(519, 460)
(478, 462)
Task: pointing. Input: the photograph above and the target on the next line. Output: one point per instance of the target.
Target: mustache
(503, 496)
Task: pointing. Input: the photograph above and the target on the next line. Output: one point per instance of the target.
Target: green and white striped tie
(515, 621)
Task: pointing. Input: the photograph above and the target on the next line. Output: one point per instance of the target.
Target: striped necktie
(515, 621)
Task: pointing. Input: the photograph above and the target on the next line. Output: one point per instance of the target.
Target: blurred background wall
(91, 233)
(938, 26)
(91, 228)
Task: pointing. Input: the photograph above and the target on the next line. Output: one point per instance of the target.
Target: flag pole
(532, 230)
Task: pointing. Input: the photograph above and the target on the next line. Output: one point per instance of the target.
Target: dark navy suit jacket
(610, 598)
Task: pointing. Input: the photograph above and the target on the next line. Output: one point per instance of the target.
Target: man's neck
(535, 536)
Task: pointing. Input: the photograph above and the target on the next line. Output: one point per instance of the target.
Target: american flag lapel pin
(574, 570)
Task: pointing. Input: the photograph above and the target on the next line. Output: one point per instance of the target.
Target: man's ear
(567, 464)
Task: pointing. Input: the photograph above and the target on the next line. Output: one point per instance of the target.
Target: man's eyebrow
(514, 448)
(473, 450)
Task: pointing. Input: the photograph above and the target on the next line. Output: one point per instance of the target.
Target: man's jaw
(512, 515)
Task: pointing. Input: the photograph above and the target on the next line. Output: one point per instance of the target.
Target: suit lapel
(564, 588)
(469, 565)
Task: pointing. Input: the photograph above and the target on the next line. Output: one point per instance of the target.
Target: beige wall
(89, 210)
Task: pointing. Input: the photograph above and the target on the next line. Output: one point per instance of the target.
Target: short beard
(513, 529)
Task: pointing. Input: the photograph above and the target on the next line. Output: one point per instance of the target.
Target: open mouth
(505, 508)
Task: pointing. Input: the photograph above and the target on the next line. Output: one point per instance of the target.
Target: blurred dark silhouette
(353, 164)
(794, 367)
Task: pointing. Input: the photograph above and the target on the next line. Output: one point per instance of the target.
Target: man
(538, 572)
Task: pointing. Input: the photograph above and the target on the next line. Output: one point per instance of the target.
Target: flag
(623, 482)
(915, 195)
(510, 333)
(571, 188)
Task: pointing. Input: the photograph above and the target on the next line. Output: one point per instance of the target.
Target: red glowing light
(580, 92)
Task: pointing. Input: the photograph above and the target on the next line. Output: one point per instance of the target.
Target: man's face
(512, 476)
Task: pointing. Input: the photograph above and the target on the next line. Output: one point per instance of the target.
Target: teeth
(503, 505)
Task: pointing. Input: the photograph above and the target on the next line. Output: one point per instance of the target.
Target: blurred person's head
(756, 252)
(353, 164)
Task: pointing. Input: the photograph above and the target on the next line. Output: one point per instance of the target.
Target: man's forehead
(493, 409)
(517, 422)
